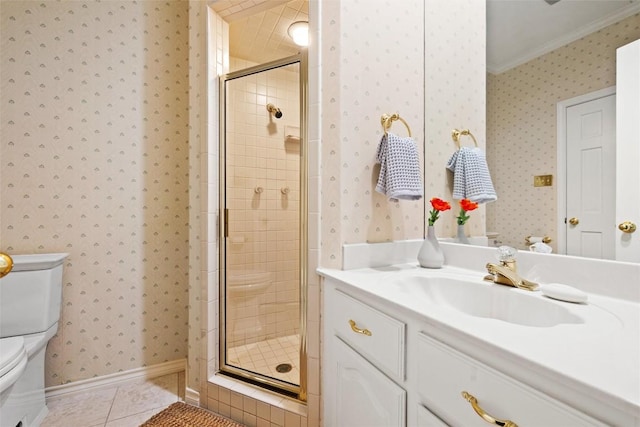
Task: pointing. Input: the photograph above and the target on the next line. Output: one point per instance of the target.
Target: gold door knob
(488, 418)
(627, 227)
(6, 264)
(574, 221)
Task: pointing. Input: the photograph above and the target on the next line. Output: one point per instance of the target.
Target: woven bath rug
(182, 415)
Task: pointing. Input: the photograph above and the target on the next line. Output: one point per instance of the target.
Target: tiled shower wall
(94, 162)
(263, 196)
(521, 126)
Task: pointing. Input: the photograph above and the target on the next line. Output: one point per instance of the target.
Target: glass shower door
(261, 316)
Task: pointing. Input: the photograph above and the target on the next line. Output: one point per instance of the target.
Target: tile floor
(125, 405)
(263, 357)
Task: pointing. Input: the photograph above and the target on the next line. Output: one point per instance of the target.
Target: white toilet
(248, 282)
(30, 302)
(245, 304)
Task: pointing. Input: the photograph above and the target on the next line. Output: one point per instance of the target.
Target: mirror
(523, 91)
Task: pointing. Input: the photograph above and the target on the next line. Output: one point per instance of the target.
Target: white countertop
(600, 356)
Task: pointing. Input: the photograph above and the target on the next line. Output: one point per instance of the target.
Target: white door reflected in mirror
(591, 173)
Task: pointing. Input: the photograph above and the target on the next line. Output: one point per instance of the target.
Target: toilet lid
(246, 277)
(12, 351)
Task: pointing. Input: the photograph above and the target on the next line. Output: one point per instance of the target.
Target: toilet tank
(31, 294)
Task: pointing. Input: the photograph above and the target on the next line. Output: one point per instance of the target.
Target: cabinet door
(364, 396)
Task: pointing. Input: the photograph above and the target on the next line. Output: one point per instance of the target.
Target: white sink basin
(486, 300)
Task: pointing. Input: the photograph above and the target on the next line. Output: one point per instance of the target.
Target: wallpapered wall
(425, 61)
(95, 163)
(521, 126)
(455, 97)
(372, 64)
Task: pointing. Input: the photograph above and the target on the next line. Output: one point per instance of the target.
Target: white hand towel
(471, 178)
(399, 168)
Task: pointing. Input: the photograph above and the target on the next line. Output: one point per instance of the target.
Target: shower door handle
(226, 223)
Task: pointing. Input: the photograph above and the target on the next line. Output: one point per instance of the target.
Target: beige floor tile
(86, 409)
(135, 398)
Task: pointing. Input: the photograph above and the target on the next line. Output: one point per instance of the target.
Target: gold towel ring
(456, 134)
(386, 121)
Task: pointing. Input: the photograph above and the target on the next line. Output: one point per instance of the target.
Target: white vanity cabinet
(381, 367)
(363, 350)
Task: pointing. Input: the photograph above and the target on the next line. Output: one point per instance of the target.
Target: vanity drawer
(444, 373)
(427, 419)
(378, 337)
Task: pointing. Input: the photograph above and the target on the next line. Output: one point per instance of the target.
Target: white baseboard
(192, 397)
(106, 381)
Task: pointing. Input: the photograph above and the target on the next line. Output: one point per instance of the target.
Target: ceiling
(258, 28)
(520, 30)
(517, 30)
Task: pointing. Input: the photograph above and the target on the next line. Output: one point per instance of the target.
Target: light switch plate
(543, 180)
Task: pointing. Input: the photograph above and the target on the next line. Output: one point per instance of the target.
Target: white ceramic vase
(461, 237)
(430, 254)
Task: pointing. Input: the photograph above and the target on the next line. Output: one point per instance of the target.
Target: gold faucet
(6, 264)
(503, 275)
(505, 271)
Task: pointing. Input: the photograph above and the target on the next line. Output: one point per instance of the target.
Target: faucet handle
(507, 257)
(507, 253)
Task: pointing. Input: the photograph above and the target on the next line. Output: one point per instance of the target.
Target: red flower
(439, 205)
(465, 206)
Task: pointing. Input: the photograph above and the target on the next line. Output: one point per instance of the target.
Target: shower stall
(263, 198)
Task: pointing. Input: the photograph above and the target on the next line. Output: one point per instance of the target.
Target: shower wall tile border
(254, 407)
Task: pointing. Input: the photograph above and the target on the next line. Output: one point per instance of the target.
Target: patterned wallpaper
(455, 94)
(521, 126)
(368, 69)
(94, 162)
(436, 83)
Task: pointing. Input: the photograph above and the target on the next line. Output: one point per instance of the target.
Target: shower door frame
(299, 391)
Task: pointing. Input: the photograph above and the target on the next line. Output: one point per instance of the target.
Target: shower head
(274, 110)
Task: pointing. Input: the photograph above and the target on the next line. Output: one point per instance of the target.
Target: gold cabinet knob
(485, 416)
(627, 227)
(574, 221)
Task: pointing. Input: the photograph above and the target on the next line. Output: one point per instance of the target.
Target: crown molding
(607, 20)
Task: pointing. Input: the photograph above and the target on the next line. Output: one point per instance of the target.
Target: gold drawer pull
(488, 418)
(357, 330)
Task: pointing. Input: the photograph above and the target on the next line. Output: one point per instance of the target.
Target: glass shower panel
(262, 321)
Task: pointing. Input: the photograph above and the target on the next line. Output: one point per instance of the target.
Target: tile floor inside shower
(264, 357)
